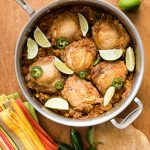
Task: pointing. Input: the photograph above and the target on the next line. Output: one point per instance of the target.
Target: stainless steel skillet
(120, 107)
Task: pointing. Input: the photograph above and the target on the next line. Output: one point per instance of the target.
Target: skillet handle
(26, 7)
(131, 117)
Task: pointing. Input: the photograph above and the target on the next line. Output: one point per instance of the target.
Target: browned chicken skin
(80, 55)
(65, 25)
(108, 33)
(104, 73)
(46, 83)
(80, 94)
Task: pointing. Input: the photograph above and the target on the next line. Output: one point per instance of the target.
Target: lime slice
(32, 48)
(108, 95)
(111, 55)
(83, 24)
(57, 103)
(41, 39)
(62, 67)
(130, 59)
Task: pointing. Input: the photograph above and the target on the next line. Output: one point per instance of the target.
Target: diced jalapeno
(36, 72)
(61, 43)
(97, 61)
(59, 85)
(82, 74)
(117, 83)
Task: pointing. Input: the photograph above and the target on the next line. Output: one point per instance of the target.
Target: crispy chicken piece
(103, 74)
(46, 83)
(80, 94)
(65, 25)
(109, 33)
(80, 55)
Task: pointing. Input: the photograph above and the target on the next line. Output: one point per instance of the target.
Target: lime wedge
(83, 24)
(32, 48)
(130, 59)
(41, 39)
(111, 55)
(108, 95)
(62, 67)
(129, 5)
(57, 103)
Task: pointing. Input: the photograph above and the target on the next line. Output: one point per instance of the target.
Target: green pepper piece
(98, 13)
(97, 61)
(90, 135)
(36, 72)
(64, 146)
(92, 148)
(61, 43)
(59, 85)
(82, 74)
(117, 83)
(76, 139)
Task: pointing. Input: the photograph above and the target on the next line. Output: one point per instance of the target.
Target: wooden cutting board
(12, 20)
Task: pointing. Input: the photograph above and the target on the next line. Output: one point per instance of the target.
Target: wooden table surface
(13, 19)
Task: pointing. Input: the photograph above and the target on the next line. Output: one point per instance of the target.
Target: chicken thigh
(46, 83)
(80, 55)
(65, 25)
(104, 73)
(109, 33)
(80, 94)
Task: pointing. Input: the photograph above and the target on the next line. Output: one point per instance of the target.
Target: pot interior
(139, 62)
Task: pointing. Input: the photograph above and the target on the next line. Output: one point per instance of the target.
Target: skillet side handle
(131, 117)
(26, 7)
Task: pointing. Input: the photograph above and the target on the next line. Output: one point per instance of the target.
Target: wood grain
(12, 21)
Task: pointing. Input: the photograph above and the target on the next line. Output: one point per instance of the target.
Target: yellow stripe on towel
(3, 99)
(16, 109)
(20, 129)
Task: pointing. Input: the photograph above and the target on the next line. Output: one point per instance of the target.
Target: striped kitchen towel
(18, 130)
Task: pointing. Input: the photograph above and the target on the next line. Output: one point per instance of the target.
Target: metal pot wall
(110, 115)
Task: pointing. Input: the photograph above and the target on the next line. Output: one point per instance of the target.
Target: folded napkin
(18, 130)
